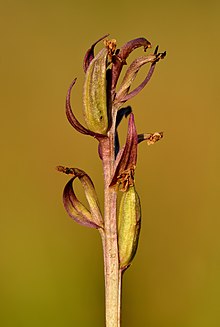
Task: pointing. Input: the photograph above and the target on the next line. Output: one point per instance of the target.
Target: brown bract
(126, 159)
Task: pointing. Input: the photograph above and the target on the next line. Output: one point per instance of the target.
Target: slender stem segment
(110, 242)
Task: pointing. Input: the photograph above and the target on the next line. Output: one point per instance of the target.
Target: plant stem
(110, 242)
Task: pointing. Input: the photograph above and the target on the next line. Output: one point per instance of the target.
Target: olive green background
(51, 270)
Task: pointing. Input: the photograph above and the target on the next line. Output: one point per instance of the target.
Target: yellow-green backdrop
(51, 271)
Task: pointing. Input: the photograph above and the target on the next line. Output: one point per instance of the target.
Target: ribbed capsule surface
(129, 223)
(95, 94)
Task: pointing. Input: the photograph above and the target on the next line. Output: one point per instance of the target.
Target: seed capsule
(95, 94)
(129, 223)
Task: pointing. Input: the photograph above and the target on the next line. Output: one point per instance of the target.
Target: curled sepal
(129, 223)
(95, 94)
(90, 53)
(123, 53)
(150, 138)
(75, 209)
(147, 78)
(72, 119)
(126, 159)
(131, 73)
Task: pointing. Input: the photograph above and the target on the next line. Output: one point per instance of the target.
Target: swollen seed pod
(129, 223)
(95, 94)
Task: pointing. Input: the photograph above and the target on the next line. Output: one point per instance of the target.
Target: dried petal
(126, 158)
(142, 85)
(75, 209)
(90, 53)
(150, 138)
(122, 55)
(131, 73)
(72, 119)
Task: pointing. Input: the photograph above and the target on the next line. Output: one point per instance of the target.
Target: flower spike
(103, 111)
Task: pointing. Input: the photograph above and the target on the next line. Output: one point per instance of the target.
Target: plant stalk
(110, 241)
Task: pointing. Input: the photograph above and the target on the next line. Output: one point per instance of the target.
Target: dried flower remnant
(103, 114)
(75, 209)
(150, 138)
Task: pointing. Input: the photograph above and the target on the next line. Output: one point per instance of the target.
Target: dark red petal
(147, 78)
(72, 119)
(122, 55)
(90, 54)
(127, 157)
(142, 85)
(71, 204)
(122, 94)
(75, 209)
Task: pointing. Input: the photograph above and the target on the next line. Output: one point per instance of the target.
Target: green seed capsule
(129, 223)
(95, 94)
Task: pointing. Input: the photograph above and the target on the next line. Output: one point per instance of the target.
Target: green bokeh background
(51, 271)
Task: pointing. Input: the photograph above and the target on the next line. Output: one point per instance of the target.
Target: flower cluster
(103, 101)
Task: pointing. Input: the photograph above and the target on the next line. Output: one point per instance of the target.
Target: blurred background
(51, 270)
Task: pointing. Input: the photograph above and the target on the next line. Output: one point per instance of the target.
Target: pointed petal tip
(90, 53)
